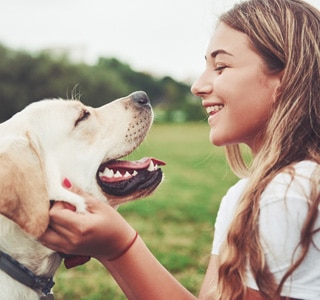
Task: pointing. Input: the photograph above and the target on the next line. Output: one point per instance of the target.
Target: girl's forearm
(142, 277)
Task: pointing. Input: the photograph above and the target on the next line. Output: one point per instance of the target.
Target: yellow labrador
(55, 139)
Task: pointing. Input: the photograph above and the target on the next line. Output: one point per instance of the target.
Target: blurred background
(99, 50)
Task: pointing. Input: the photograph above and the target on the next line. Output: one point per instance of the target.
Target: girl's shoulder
(295, 181)
(305, 167)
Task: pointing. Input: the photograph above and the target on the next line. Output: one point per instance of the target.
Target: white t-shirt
(283, 208)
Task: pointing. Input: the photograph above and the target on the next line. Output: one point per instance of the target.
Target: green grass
(176, 222)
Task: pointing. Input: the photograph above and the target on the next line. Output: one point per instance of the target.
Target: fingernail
(67, 183)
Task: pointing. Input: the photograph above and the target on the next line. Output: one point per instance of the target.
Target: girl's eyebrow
(217, 52)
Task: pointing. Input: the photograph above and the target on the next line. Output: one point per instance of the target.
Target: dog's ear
(23, 194)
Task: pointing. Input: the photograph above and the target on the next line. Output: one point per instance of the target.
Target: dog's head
(54, 139)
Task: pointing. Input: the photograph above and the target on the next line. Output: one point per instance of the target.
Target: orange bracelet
(125, 250)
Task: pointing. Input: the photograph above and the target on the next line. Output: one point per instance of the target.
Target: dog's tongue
(134, 165)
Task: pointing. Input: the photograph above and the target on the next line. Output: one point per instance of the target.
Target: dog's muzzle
(122, 178)
(132, 179)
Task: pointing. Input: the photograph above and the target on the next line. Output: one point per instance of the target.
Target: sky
(161, 37)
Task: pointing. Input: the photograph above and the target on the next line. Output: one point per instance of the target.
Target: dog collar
(22, 274)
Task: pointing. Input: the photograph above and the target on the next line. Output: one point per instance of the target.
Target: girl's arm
(211, 278)
(141, 276)
(103, 233)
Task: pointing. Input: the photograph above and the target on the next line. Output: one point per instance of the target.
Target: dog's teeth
(127, 175)
(134, 173)
(118, 175)
(151, 167)
(108, 173)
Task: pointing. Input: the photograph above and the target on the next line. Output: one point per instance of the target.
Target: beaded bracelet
(125, 250)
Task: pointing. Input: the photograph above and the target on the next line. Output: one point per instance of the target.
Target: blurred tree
(26, 77)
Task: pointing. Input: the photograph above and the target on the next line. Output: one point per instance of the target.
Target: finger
(51, 239)
(73, 188)
(64, 220)
(68, 222)
(62, 205)
(92, 203)
(60, 208)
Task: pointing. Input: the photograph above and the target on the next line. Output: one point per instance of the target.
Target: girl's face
(235, 90)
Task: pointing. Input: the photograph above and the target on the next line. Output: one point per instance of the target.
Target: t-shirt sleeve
(283, 210)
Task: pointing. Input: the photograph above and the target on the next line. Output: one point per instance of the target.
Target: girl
(261, 87)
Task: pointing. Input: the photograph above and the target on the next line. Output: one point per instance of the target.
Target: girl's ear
(23, 193)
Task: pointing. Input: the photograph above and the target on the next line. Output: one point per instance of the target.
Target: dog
(48, 141)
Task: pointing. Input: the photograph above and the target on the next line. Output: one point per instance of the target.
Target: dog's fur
(40, 146)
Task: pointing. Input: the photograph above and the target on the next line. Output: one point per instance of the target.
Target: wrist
(118, 245)
(125, 248)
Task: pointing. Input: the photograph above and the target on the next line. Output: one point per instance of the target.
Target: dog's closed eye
(83, 116)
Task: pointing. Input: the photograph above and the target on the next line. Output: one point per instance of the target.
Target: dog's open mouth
(122, 178)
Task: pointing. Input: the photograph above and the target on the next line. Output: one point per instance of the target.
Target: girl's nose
(202, 86)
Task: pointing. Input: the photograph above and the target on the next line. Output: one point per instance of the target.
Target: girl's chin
(219, 140)
(216, 141)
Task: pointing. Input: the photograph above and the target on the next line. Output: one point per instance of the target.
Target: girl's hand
(101, 232)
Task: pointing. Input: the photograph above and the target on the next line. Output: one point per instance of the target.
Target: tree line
(27, 77)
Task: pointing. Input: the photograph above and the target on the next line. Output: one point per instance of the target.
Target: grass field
(176, 222)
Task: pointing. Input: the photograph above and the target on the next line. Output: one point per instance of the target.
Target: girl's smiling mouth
(213, 109)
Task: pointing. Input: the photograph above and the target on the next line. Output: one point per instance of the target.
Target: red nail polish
(67, 183)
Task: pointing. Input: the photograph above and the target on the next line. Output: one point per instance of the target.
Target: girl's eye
(220, 68)
(83, 116)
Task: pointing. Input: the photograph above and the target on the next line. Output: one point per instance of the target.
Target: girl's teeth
(214, 108)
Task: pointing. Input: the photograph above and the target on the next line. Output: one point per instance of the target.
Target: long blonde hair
(286, 34)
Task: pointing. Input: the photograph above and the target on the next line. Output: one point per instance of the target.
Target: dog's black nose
(140, 98)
